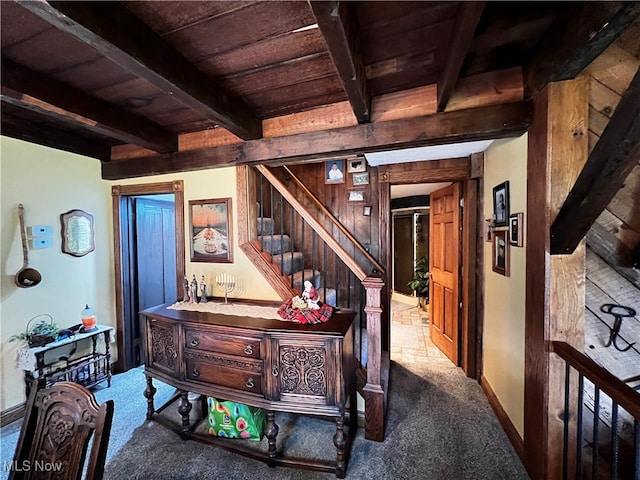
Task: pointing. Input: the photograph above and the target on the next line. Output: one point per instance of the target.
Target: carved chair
(60, 424)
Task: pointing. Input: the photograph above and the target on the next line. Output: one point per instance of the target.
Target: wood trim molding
(12, 414)
(512, 434)
(470, 228)
(175, 187)
(447, 170)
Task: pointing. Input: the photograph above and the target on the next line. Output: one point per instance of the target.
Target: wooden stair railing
(373, 391)
(619, 459)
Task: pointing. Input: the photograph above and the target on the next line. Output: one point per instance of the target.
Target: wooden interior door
(444, 265)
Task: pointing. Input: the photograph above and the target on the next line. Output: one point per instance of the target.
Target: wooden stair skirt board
(289, 262)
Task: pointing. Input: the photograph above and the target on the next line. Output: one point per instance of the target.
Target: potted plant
(420, 281)
(40, 334)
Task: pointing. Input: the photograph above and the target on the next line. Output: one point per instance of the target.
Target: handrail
(334, 220)
(620, 392)
(320, 230)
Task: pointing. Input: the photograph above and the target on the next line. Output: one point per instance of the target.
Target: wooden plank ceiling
(148, 82)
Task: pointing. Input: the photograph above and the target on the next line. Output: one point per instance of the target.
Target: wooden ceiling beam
(28, 89)
(30, 132)
(612, 159)
(575, 40)
(336, 23)
(484, 123)
(469, 14)
(116, 33)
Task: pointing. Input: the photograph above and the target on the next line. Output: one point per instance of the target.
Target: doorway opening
(410, 316)
(149, 247)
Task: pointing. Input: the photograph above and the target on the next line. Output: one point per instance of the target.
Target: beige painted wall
(504, 315)
(49, 182)
(209, 184)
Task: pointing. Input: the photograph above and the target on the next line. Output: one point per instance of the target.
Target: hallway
(410, 342)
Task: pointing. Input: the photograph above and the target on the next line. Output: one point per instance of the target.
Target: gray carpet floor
(439, 426)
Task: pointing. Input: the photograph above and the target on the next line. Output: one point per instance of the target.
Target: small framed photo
(516, 229)
(366, 210)
(488, 229)
(334, 171)
(357, 165)
(500, 263)
(501, 205)
(210, 230)
(356, 195)
(361, 178)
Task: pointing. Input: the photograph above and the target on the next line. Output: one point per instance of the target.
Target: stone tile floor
(410, 342)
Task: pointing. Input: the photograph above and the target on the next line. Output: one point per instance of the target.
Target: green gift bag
(235, 420)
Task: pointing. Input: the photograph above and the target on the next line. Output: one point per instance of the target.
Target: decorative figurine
(194, 290)
(203, 291)
(185, 287)
(311, 296)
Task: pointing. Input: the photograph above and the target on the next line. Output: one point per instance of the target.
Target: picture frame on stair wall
(211, 230)
(334, 171)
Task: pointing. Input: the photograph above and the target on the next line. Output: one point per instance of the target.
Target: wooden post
(557, 152)
(374, 396)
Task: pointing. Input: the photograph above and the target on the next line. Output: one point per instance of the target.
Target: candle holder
(227, 283)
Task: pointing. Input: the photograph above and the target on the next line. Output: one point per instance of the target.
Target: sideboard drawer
(229, 375)
(211, 340)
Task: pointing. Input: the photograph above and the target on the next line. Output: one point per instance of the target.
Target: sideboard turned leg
(183, 409)
(340, 441)
(149, 392)
(271, 434)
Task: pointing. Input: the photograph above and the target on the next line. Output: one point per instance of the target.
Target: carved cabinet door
(306, 370)
(162, 346)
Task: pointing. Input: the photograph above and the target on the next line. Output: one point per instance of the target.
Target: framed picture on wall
(357, 165)
(334, 171)
(501, 205)
(210, 230)
(361, 178)
(516, 230)
(500, 261)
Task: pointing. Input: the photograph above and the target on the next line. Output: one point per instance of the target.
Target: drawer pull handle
(194, 342)
(195, 373)
(275, 371)
(248, 350)
(250, 383)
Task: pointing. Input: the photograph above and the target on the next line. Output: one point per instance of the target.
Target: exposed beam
(576, 40)
(612, 159)
(28, 89)
(491, 122)
(30, 132)
(116, 33)
(337, 25)
(469, 14)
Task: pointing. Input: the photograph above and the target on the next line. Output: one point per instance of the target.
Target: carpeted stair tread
(288, 262)
(266, 226)
(275, 244)
(314, 276)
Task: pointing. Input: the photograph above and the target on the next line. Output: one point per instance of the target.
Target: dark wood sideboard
(272, 364)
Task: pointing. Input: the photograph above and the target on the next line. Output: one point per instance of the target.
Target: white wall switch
(40, 231)
(40, 242)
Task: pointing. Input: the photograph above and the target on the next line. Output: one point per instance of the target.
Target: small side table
(88, 370)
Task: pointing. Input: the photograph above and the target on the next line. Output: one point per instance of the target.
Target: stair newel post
(373, 391)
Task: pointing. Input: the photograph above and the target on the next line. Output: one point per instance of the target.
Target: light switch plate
(40, 242)
(40, 231)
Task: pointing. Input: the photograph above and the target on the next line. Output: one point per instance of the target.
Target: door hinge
(462, 202)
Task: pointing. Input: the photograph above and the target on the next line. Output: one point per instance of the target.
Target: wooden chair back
(63, 427)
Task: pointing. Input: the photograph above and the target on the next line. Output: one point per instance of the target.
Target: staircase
(291, 263)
